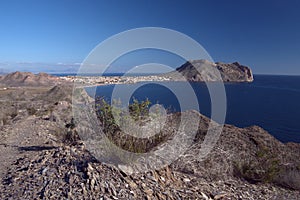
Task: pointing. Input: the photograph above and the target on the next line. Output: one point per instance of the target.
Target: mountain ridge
(17, 79)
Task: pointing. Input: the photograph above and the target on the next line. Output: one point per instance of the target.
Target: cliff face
(203, 70)
(235, 72)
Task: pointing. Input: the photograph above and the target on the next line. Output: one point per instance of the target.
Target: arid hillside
(17, 79)
(43, 157)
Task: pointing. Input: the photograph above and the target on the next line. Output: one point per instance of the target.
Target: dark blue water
(272, 102)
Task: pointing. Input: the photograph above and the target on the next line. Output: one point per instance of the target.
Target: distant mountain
(29, 79)
(203, 70)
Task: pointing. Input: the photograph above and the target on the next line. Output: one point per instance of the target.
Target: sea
(270, 101)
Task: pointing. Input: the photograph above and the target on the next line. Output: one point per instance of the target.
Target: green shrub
(111, 117)
(139, 110)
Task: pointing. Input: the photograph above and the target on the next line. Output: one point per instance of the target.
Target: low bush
(264, 168)
(111, 117)
(289, 177)
(31, 111)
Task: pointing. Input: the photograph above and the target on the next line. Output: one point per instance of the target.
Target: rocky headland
(203, 70)
(42, 157)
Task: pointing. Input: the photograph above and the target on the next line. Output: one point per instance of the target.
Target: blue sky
(56, 35)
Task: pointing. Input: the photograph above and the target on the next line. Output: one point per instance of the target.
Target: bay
(271, 102)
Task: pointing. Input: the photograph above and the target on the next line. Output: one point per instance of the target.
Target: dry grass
(289, 178)
(263, 168)
(267, 167)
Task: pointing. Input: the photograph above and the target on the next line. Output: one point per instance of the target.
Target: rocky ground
(41, 158)
(66, 172)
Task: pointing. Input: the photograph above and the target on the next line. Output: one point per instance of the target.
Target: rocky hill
(42, 158)
(203, 70)
(17, 79)
(44, 166)
(57, 92)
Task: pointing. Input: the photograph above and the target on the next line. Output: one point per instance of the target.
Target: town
(106, 80)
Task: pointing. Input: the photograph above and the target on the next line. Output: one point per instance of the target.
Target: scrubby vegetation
(267, 168)
(263, 168)
(70, 135)
(289, 177)
(113, 117)
(31, 110)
